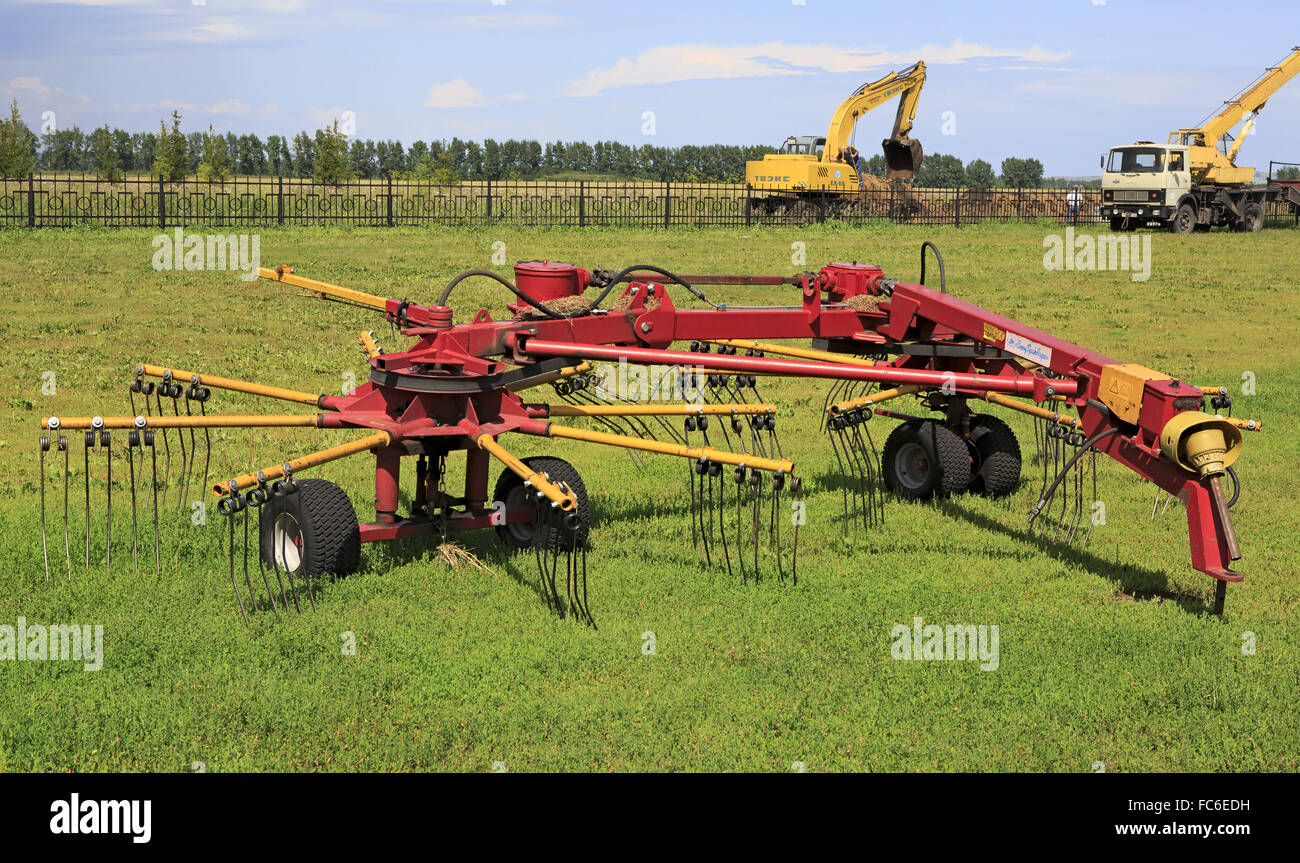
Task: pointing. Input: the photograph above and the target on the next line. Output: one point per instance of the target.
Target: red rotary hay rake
(461, 387)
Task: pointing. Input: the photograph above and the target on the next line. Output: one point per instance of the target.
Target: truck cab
(1143, 182)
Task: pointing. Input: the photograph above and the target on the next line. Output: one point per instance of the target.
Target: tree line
(328, 156)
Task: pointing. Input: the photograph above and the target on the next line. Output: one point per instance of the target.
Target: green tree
(979, 174)
(171, 157)
(105, 155)
(1026, 173)
(1289, 174)
(17, 145)
(331, 163)
(940, 172)
(215, 164)
(436, 169)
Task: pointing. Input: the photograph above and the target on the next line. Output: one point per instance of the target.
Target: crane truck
(1188, 183)
(810, 167)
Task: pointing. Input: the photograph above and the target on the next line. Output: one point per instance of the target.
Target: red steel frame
(448, 387)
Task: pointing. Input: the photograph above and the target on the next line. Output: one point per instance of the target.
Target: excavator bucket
(902, 157)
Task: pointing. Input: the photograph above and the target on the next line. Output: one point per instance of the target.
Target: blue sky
(1058, 80)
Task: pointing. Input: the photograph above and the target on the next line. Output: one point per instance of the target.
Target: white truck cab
(1143, 182)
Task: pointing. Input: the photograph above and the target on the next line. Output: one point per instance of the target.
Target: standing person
(1072, 202)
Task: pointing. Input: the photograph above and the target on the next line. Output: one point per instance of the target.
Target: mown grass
(1108, 655)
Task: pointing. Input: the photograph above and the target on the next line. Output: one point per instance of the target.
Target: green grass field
(1107, 656)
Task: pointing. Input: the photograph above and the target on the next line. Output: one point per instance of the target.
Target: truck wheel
(924, 459)
(1252, 217)
(1184, 221)
(510, 490)
(998, 452)
(312, 531)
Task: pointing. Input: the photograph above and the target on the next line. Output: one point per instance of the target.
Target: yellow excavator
(813, 167)
(1192, 182)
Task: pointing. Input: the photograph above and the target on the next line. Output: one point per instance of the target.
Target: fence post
(489, 200)
(667, 201)
(1020, 203)
(749, 206)
(279, 200)
(31, 201)
(891, 204)
(582, 204)
(956, 208)
(390, 200)
(162, 204)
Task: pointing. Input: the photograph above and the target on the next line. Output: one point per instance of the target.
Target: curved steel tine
(132, 444)
(774, 529)
(175, 394)
(540, 536)
(262, 542)
(106, 441)
(797, 494)
(67, 546)
(586, 605)
(1092, 516)
(755, 483)
(153, 453)
(167, 445)
(248, 581)
(739, 477)
(42, 447)
(233, 581)
(88, 439)
(306, 578)
(844, 487)
(261, 565)
(722, 506)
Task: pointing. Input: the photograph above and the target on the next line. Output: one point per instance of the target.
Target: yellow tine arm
(785, 350)
(210, 421)
(692, 452)
(567, 501)
(875, 398)
(1248, 425)
(181, 375)
(285, 275)
(1032, 410)
(333, 453)
(655, 410)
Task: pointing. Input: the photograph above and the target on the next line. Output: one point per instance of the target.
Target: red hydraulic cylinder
(1019, 384)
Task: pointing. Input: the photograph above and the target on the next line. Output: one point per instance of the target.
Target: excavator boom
(811, 165)
(902, 153)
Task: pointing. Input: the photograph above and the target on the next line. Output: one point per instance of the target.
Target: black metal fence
(61, 201)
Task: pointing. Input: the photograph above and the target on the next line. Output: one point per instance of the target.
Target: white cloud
(32, 85)
(215, 31)
(326, 116)
(671, 63)
(454, 94)
(231, 106)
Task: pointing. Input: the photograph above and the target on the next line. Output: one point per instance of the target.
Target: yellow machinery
(1207, 162)
(811, 165)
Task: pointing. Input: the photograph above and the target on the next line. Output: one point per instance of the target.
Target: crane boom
(1208, 164)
